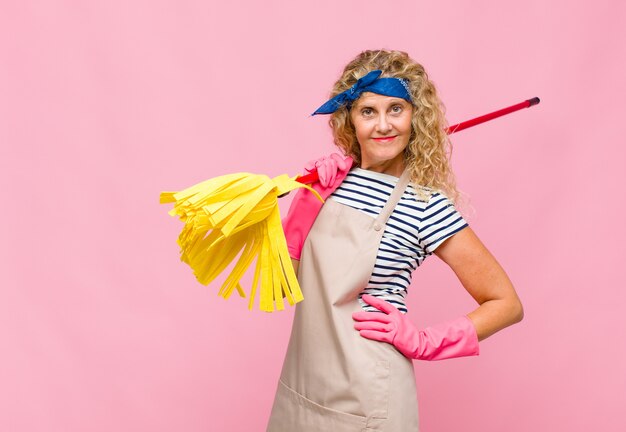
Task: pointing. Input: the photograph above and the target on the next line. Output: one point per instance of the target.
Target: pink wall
(105, 104)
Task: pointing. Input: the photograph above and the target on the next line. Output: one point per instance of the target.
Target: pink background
(103, 105)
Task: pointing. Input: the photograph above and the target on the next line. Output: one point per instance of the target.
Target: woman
(349, 365)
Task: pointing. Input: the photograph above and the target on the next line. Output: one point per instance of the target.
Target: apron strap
(396, 194)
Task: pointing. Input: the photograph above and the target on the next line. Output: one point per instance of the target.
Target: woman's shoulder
(426, 195)
(427, 203)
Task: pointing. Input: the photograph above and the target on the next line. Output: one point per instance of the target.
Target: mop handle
(313, 177)
(484, 118)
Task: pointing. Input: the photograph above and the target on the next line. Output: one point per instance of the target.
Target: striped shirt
(414, 230)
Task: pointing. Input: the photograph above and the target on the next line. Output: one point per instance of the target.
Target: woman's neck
(393, 167)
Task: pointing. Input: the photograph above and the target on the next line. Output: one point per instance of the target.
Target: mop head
(232, 216)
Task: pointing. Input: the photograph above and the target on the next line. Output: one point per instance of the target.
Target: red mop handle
(313, 177)
(308, 178)
(484, 118)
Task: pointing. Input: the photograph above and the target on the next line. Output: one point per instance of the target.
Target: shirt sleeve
(440, 221)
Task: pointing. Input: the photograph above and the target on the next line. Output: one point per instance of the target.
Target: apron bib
(333, 379)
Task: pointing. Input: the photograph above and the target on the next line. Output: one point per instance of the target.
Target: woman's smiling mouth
(385, 139)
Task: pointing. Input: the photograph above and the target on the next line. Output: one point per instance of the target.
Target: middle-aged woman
(389, 205)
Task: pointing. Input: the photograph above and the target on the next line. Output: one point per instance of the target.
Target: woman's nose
(383, 124)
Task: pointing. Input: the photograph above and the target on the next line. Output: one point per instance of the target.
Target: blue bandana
(395, 87)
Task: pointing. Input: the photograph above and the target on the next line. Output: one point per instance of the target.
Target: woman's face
(383, 129)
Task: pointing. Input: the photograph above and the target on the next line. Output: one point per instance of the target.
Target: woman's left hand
(451, 339)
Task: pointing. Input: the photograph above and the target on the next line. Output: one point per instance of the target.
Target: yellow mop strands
(237, 214)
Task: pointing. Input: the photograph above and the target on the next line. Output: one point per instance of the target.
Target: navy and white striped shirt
(414, 230)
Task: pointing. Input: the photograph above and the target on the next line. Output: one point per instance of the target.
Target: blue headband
(395, 87)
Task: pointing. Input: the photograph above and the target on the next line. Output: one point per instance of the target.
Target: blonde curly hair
(429, 149)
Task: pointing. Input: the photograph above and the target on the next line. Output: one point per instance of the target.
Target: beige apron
(333, 379)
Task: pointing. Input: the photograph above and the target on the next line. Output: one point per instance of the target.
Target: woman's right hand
(305, 205)
(328, 166)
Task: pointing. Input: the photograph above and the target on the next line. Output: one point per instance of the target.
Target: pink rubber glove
(328, 167)
(305, 206)
(448, 340)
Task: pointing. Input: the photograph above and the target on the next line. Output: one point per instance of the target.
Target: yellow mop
(236, 215)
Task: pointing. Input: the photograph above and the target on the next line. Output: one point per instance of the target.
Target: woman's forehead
(368, 98)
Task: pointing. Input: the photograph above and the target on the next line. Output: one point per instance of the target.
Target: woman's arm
(485, 280)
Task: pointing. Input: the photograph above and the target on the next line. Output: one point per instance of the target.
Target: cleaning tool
(236, 217)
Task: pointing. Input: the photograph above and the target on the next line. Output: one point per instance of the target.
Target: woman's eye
(367, 112)
(396, 109)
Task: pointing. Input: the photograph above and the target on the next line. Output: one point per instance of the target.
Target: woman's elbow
(517, 311)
